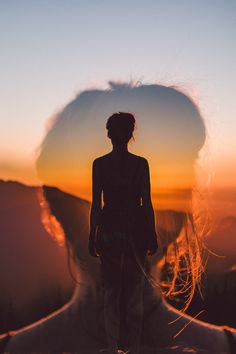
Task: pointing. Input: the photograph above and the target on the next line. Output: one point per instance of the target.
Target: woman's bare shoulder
(206, 335)
(139, 158)
(42, 335)
(99, 159)
(182, 329)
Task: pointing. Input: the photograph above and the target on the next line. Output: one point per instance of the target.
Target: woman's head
(170, 134)
(120, 127)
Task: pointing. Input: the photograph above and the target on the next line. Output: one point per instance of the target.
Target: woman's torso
(121, 187)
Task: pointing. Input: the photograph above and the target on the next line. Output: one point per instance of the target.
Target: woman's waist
(121, 209)
(119, 217)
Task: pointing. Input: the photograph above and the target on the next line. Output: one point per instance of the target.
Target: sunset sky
(52, 50)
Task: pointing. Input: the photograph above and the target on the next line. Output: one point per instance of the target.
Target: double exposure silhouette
(118, 233)
(171, 133)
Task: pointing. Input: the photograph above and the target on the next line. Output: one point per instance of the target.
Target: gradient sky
(50, 50)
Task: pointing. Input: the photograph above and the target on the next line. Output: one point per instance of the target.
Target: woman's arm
(96, 207)
(148, 208)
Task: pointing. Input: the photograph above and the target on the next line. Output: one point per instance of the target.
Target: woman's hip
(111, 240)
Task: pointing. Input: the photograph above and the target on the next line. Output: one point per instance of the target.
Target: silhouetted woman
(122, 232)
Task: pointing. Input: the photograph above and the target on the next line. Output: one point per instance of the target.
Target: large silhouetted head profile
(170, 133)
(120, 127)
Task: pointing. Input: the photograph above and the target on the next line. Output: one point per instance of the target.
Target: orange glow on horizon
(178, 199)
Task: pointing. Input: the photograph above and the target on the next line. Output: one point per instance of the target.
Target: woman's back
(124, 180)
(121, 178)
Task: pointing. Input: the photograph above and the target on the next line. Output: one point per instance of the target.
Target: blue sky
(50, 50)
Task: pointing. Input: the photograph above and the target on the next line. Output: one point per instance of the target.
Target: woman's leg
(112, 257)
(133, 288)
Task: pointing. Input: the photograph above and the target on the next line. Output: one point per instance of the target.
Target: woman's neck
(87, 304)
(120, 148)
(89, 291)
